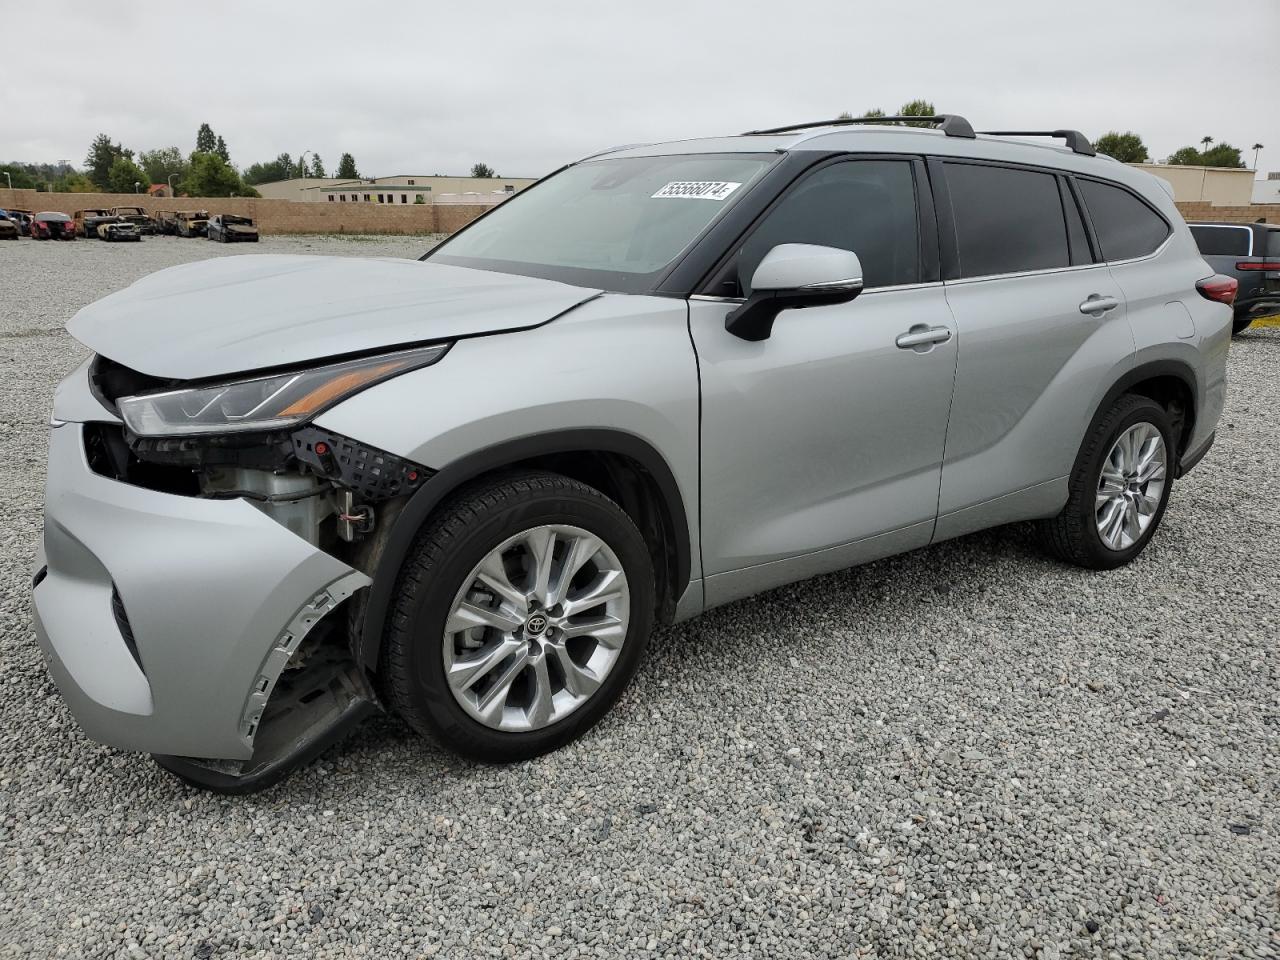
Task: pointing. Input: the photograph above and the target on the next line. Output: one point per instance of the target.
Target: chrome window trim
(1227, 226)
(1071, 269)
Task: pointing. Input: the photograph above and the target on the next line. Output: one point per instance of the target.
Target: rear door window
(1126, 226)
(1221, 241)
(1007, 220)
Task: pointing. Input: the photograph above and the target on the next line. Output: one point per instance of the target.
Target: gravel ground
(968, 751)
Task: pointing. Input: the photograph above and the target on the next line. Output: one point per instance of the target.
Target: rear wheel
(522, 614)
(1118, 488)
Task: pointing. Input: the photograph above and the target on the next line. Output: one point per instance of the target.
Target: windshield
(612, 223)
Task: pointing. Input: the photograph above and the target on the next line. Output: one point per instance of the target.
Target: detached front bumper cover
(214, 594)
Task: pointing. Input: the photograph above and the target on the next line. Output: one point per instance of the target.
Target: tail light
(1258, 265)
(1219, 288)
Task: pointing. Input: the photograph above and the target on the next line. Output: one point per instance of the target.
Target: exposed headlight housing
(274, 402)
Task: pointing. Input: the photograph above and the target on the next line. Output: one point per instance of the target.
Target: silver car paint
(618, 362)
(209, 586)
(232, 314)
(799, 455)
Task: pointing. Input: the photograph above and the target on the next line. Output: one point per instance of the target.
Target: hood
(235, 314)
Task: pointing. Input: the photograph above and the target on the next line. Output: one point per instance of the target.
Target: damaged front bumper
(167, 622)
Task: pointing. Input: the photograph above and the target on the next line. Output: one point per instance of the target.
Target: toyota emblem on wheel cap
(536, 624)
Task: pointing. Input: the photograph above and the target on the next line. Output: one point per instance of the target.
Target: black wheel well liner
(1170, 383)
(621, 465)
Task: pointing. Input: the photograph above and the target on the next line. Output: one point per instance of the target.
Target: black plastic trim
(1076, 140)
(200, 775)
(410, 520)
(1146, 371)
(1189, 460)
(953, 125)
(948, 246)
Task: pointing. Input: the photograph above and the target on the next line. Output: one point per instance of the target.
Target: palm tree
(1206, 141)
(1255, 148)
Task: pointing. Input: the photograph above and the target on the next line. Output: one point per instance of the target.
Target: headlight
(264, 403)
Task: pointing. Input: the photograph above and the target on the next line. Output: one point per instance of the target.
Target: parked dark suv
(1250, 252)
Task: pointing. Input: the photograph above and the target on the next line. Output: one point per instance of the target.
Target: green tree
(1126, 147)
(124, 173)
(482, 170)
(211, 176)
(103, 153)
(220, 148)
(1223, 155)
(317, 168)
(74, 182)
(206, 139)
(163, 162)
(873, 114)
(22, 179)
(844, 115)
(347, 168)
(917, 108)
(1185, 156)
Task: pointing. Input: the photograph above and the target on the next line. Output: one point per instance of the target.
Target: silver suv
(290, 490)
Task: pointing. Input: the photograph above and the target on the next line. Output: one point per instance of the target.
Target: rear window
(1007, 220)
(1126, 227)
(1273, 244)
(1222, 241)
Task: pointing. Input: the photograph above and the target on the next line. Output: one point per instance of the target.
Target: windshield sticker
(697, 190)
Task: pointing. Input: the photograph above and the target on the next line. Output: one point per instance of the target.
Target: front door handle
(1096, 305)
(922, 336)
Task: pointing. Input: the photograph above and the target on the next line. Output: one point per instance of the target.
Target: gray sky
(432, 88)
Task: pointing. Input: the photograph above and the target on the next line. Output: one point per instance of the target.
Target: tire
(1074, 535)
(468, 529)
(1240, 324)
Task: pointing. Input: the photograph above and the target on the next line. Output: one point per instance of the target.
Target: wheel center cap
(536, 625)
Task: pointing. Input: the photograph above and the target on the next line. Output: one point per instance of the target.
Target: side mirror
(795, 275)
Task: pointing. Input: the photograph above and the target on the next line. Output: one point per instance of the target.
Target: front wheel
(1118, 489)
(522, 613)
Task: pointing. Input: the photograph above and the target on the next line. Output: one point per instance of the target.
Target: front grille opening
(109, 455)
(125, 628)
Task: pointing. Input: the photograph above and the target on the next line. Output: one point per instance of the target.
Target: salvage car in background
(165, 222)
(137, 216)
(192, 223)
(8, 226)
(52, 225)
(229, 228)
(1250, 252)
(88, 221)
(23, 219)
(119, 229)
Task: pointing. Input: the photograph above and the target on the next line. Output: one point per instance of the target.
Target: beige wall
(1268, 212)
(1224, 186)
(428, 186)
(272, 216)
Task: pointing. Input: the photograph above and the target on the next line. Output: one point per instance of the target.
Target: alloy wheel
(1131, 486)
(536, 628)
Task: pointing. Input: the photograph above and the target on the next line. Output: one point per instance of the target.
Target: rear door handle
(1096, 305)
(922, 336)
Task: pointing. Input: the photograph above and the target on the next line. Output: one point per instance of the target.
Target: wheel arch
(1171, 383)
(621, 465)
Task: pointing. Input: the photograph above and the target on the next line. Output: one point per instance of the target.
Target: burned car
(229, 228)
(52, 225)
(88, 221)
(192, 223)
(9, 226)
(165, 223)
(23, 219)
(138, 217)
(119, 229)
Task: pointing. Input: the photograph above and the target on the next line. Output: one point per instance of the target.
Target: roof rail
(949, 123)
(1076, 140)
